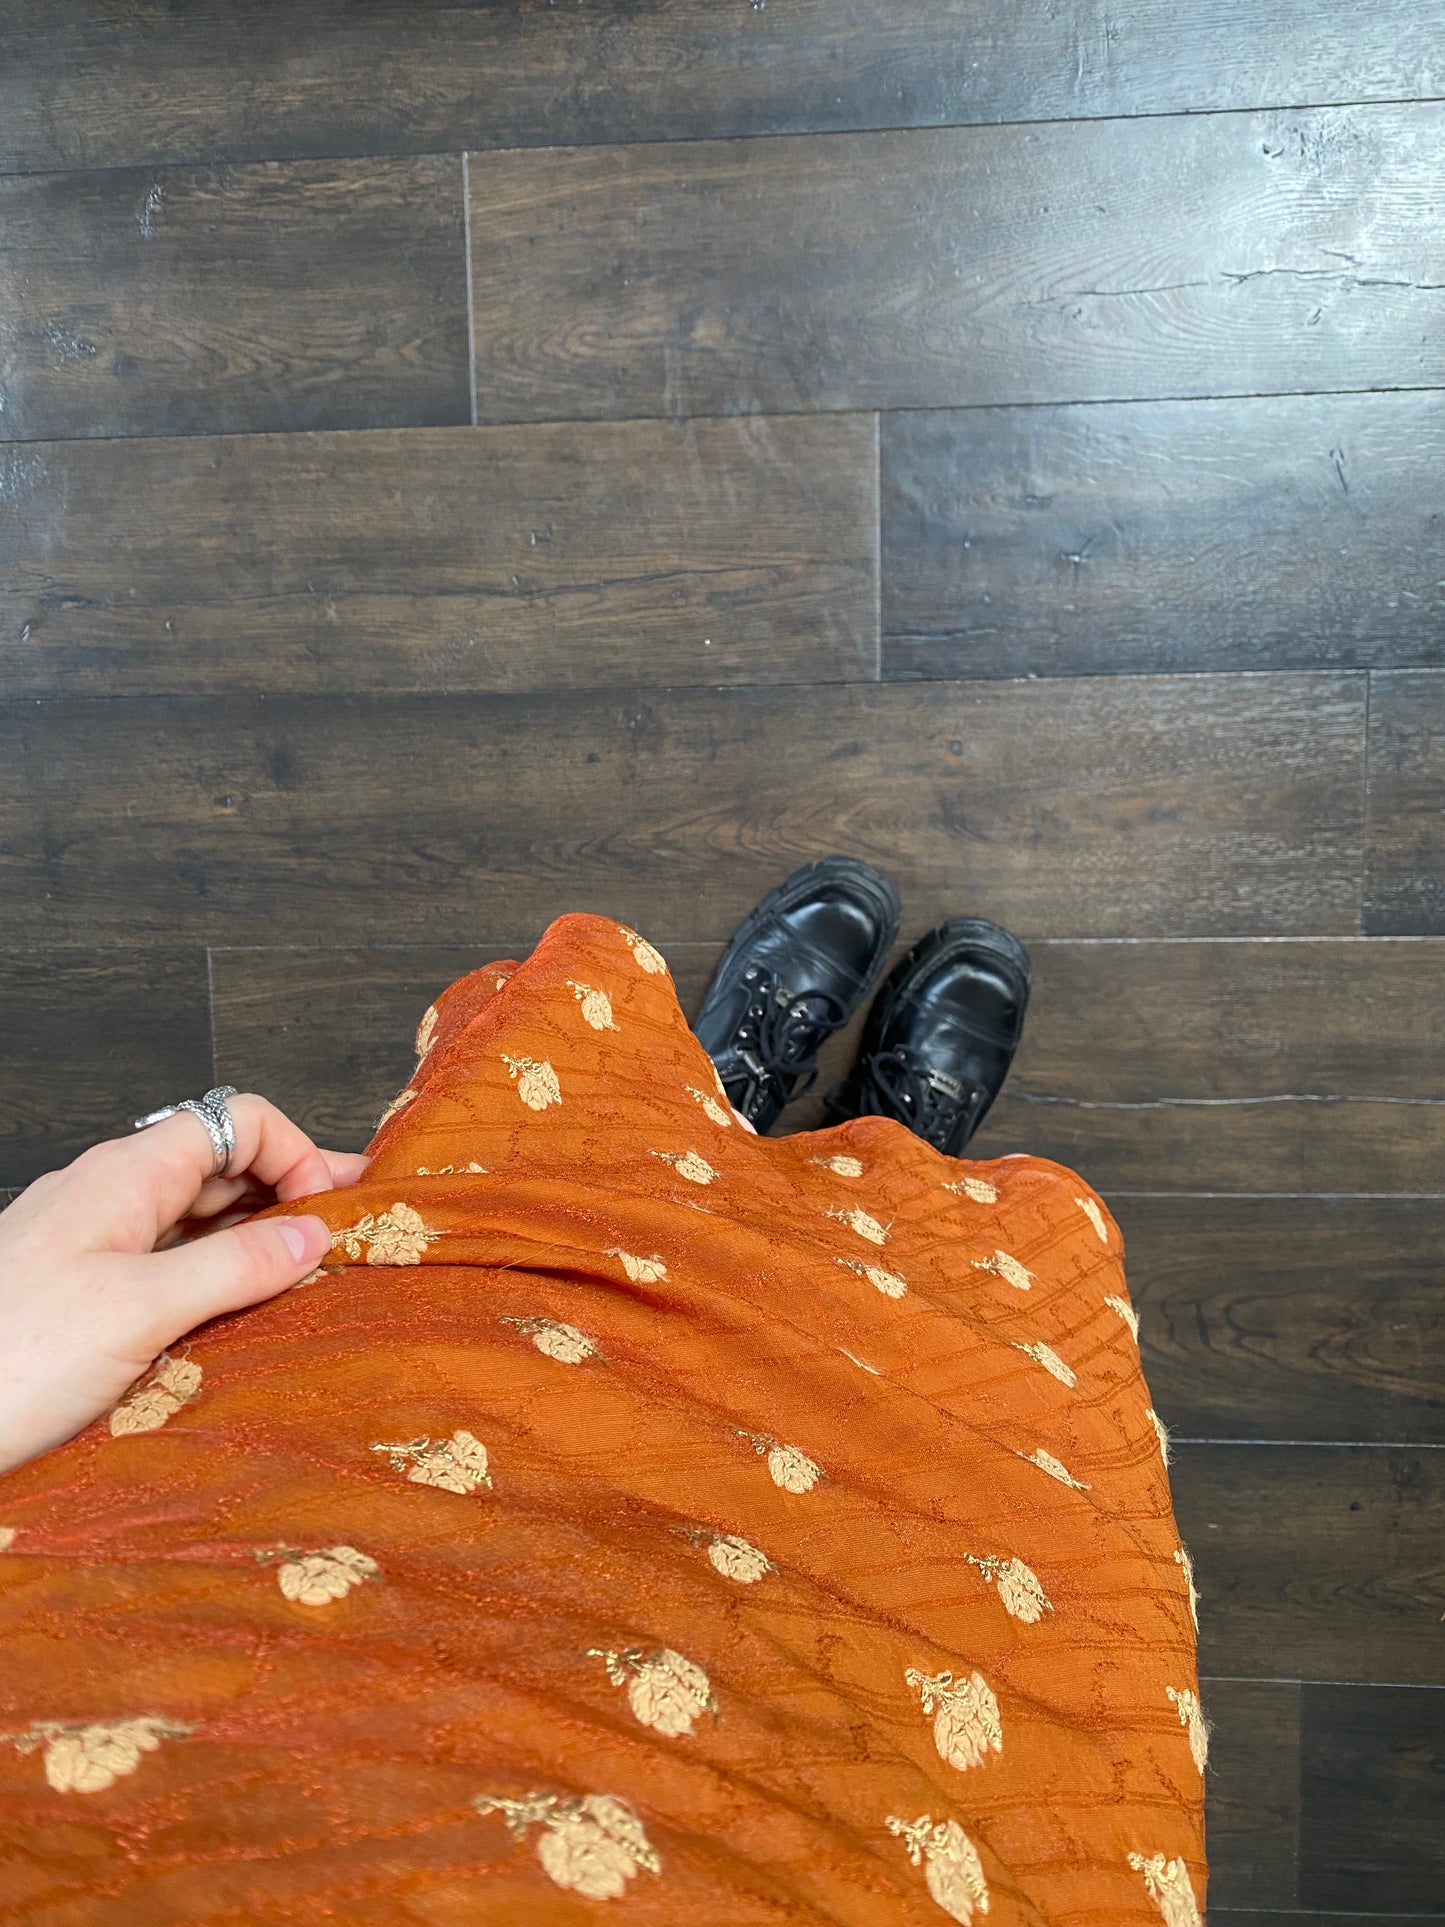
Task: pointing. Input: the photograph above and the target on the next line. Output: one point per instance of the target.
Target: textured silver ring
(214, 1113)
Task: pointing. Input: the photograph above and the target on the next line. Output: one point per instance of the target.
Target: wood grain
(1099, 806)
(1405, 860)
(1083, 261)
(500, 558)
(327, 1033)
(1315, 1561)
(1278, 532)
(1294, 1917)
(1291, 1318)
(84, 87)
(1371, 1764)
(1252, 1790)
(214, 300)
(92, 1040)
(1239, 1066)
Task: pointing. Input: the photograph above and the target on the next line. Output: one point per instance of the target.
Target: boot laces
(929, 1101)
(778, 1037)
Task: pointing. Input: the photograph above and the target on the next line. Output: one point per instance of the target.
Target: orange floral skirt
(633, 1516)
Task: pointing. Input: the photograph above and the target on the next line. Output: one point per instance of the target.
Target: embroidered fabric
(631, 1509)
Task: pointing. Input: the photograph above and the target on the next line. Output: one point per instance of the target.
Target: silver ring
(213, 1112)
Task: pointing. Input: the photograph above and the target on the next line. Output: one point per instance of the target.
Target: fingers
(228, 1194)
(347, 1166)
(182, 1288)
(137, 1188)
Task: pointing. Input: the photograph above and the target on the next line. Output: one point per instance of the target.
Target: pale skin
(107, 1262)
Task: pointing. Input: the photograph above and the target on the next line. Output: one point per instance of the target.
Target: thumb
(230, 1269)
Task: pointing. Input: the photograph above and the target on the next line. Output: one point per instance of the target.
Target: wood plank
(1315, 1561)
(450, 558)
(94, 1038)
(1233, 1066)
(1075, 261)
(1291, 1318)
(1270, 533)
(1181, 804)
(1293, 1917)
(327, 1034)
(217, 300)
(1371, 1763)
(93, 88)
(1405, 864)
(1252, 1792)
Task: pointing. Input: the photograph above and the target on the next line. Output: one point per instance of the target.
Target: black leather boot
(941, 1034)
(795, 972)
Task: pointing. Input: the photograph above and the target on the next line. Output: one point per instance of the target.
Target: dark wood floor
(466, 462)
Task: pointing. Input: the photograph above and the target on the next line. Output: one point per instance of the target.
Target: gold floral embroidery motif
(1161, 1431)
(689, 1165)
(710, 1105)
(398, 1103)
(7, 1537)
(735, 1559)
(1167, 1882)
(873, 1369)
(174, 1383)
(888, 1282)
(842, 1166)
(863, 1223)
(505, 978)
(426, 1032)
(646, 958)
(954, 1872)
(316, 1578)
(593, 1845)
(664, 1690)
(449, 1170)
(1046, 1356)
(1191, 1718)
(1095, 1216)
(1007, 1268)
(88, 1759)
(965, 1716)
(789, 1465)
(563, 1342)
(1046, 1462)
(1019, 1591)
(979, 1189)
(642, 1271)
(396, 1237)
(457, 1464)
(1127, 1312)
(1186, 1564)
(537, 1084)
(596, 1006)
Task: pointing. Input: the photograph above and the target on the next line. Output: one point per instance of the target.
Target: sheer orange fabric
(635, 1517)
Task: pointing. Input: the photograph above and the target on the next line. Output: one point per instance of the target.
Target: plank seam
(211, 1015)
(1311, 1445)
(878, 549)
(471, 316)
(1315, 1197)
(1365, 808)
(778, 414)
(1213, 1103)
(1371, 1685)
(711, 140)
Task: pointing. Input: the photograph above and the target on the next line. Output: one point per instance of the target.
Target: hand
(106, 1263)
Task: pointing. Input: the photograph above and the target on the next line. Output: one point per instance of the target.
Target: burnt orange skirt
(634, 1517)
